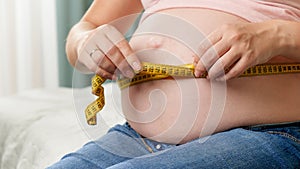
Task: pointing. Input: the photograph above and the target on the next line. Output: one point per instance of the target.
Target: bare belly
(182, 109)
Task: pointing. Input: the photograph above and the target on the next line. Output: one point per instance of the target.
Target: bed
(39, 126)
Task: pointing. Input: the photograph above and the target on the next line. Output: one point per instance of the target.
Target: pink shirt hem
(251, 10)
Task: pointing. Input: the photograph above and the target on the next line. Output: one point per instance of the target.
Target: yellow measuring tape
(151, 71)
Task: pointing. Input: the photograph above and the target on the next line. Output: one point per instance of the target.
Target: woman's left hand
(236, 47)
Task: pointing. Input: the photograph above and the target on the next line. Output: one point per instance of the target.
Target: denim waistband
(261, 127)
(290, 128)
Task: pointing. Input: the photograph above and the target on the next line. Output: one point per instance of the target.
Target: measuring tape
(151, 71)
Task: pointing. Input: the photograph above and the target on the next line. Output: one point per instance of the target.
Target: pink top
(251, 10)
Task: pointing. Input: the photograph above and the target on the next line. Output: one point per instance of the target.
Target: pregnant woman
(221, 121)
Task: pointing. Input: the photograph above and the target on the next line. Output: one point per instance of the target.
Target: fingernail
(129, 74)
(219, 79)
(222, 78)
(195, 64)
(114, 77)
(197, 73)
(136, 66)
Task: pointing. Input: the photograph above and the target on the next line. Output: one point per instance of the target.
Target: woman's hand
(105, 50)
(236, 47)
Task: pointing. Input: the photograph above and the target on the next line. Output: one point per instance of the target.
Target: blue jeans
(264, 146)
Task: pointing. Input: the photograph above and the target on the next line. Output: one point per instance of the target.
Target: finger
(84, 56)
(237, 69)
(86, 60)
(210, 57)
(112, 53)
(107, 65)
(93, 61)
(131, 58)
(118, 59)
(196, 59)
(215, 52)
(102, 61)
(223, 64)
(103, 73)
(209, 41)
(91, 65)
(118, 40)
(199, 69)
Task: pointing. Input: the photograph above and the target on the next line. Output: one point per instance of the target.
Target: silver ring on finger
(93, 52)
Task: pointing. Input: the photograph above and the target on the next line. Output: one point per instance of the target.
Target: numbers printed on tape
(153, 71)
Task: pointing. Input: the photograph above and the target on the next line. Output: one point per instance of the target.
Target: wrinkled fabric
(251, 10)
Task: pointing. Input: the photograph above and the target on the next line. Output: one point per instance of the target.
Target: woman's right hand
(105, 50)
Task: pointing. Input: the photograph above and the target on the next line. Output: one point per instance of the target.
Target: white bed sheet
(38, 127)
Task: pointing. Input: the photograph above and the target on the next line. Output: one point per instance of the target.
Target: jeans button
(158, 146)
